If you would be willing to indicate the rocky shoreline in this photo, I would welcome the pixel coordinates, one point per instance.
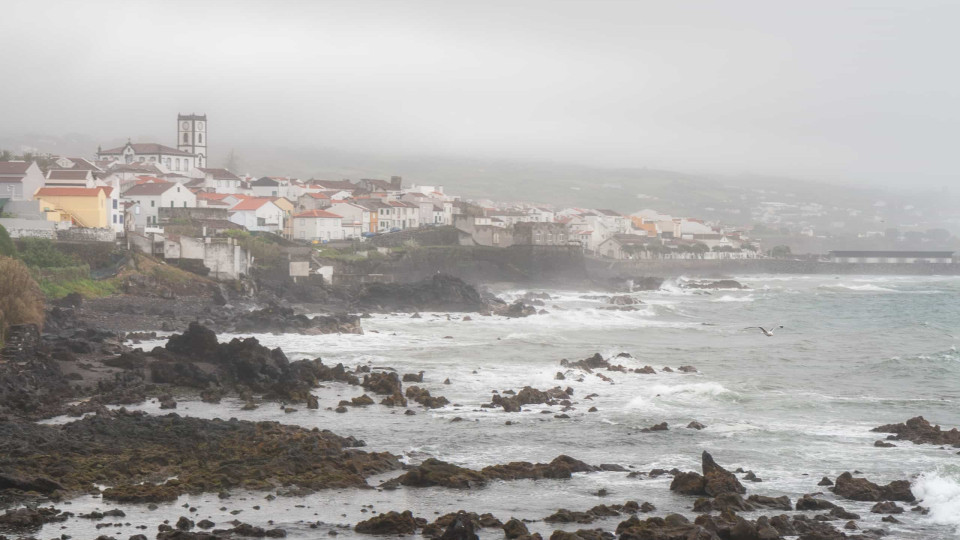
(133, 458)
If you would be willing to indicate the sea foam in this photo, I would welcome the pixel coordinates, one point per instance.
(940, 491)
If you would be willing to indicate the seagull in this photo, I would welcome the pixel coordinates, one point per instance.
(768, 333)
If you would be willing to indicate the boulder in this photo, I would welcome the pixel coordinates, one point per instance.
(718, 480)
(861, 489)
(390, 523)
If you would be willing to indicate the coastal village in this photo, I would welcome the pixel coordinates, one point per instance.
(145, 193)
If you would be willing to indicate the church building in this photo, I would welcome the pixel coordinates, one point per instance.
(190, 153)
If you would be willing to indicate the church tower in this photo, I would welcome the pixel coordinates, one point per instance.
(192, 136)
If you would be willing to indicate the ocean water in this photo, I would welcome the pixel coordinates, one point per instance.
(854, 353)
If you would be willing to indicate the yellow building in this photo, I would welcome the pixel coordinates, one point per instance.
(288, 208)
(84, 207)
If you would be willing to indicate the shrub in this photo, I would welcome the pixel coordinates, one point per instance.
(41, 253)
(21, 301)
(7, 247)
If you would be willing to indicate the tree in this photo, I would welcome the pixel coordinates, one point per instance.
(232, 164)
(7, 247)
(780, 252)
(6, 155)
(21, 301)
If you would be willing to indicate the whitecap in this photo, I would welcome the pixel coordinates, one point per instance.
(940, 492)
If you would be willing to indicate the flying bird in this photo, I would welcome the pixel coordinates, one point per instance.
(768, 333)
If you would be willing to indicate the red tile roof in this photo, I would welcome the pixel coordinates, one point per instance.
(251, 203)
(317, 214)
(212, 196)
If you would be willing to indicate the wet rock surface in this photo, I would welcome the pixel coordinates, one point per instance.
(434, 472)
(440, 292)
(284, 320)
(918, 430)
(124, 449)
(861, 489)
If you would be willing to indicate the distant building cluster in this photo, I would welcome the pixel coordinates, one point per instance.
(144, 188)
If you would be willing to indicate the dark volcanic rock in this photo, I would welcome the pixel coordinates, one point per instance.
(434, 472)
(514, 529)
(920, 431)
(809, 502)
(441, 292)
(861, 489)
(718, 480)
(130, 450)
(462, 528)
(391, 523)
(718, 284)
(283, 320)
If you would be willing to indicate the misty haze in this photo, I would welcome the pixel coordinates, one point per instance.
(531, 270)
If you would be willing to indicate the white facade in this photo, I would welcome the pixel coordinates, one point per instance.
(258, 215)
(354, 214)
(19, 180)
(192, 136)
(153, 196)
(317, 225)
(170, 159)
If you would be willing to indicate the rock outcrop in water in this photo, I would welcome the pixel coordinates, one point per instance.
(530, 396)
(441, 292)
(434, 472)
(918, 430)
(136, 454)
(861, 489)
(390, 523)
(713, 285)
(277, 319)
(714, 482)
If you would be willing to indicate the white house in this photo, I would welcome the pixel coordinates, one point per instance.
(154, 195)
(268, 187)
(318, 225)
(258, 214)
(69, 178)
(19, 180)
(355, 215)
(219, 180)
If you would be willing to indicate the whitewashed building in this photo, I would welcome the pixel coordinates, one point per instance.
(258, 214)
(317, 225)
(154, 195)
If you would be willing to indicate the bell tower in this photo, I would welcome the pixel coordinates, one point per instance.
(192, 136)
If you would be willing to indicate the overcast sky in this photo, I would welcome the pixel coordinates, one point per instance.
(832, 90)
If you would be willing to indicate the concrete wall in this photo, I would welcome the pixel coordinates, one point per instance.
(166, 214)
(602, 268)
(78, 234)
(426, 236)
(29, 228)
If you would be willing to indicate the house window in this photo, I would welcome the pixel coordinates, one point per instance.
(178, 164)
(261, 221)
(153, 204)
(186, 137)
(114, 204)
(167, 162)
(171, 204)
(184, 204)
(496, 238)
